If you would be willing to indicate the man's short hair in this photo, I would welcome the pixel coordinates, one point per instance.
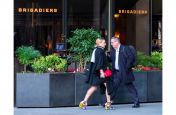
(115, 39)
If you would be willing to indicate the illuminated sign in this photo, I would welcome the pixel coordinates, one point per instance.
(38, 10)
(132, 12)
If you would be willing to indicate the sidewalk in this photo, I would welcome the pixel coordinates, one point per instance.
(120, 109)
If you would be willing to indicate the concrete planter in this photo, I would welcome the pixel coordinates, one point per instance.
(45, 90)
(81, 88)
(68, 89)
(154, 83)
(148, 85)
(123, 96)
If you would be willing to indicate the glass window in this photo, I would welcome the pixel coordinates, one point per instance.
(47, 24)
(35, 23)
(38, 23)
(131, 23)
(88, 14)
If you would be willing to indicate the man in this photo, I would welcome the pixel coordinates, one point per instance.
(122, 62)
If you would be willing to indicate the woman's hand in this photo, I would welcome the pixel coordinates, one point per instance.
(102, 74)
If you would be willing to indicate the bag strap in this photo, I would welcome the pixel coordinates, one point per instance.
(124, 52)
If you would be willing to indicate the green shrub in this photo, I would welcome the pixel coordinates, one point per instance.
(39, 65)
(26, 55)
(50, 63)
(143, 59)
(82, 44)
(154, 61)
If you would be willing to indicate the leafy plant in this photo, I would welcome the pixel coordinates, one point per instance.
(82, 43)
(50, 63)
(143, 59)
(156, 59)
(26, 55)
(145, 62)
(39, 65)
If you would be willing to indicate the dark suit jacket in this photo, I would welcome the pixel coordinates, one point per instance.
(125, 63)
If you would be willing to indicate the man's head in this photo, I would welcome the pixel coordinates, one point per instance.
(115, 42)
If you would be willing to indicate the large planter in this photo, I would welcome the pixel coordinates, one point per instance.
(81, 88)
(147, 83)
(68, 89)
(123, 95)
(154, 83)
(45, 90)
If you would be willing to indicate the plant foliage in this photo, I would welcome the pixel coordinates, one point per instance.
(50, 63)
(82, 44)
(26, 55)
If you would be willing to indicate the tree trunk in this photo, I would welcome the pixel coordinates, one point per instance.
(80, 68)
(25, 68)
(85, 63)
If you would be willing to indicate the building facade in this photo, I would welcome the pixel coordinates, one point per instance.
(47, 24)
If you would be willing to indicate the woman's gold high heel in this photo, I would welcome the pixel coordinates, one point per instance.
(108, 106)
(83, 105)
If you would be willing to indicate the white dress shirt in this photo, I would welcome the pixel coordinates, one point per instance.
(93, 56)
(117, 58)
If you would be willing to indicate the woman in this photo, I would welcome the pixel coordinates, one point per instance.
(96, 75)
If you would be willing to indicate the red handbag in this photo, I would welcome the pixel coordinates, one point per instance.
(107, 73)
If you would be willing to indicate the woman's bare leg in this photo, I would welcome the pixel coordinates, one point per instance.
(90, 91)
(108, 98)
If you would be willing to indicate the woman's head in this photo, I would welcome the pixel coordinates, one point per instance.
(100, 42)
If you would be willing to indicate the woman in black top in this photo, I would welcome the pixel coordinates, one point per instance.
(96, 73)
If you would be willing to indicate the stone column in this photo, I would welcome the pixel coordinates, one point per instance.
(96, 14)
(143, 27)
(64, 21)
(109, 22)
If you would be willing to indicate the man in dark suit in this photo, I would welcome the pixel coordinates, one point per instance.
(122, 69)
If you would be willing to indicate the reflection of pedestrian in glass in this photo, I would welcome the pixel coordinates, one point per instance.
(96, 73)
(49, 44)
(122, 60)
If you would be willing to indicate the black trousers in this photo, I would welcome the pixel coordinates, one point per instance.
(117, 80)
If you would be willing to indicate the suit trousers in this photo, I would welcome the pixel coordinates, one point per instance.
(117, 80)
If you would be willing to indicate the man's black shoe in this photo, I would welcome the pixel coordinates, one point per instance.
(136, 105)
